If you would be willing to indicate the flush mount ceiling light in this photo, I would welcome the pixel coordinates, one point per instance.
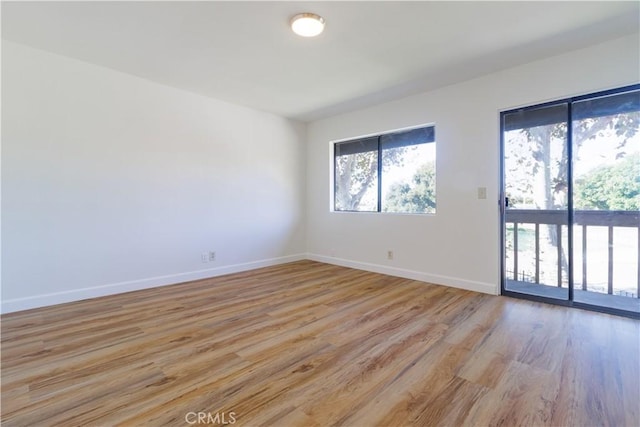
(307, 24)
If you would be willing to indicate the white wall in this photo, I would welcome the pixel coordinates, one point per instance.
(459, 246)
(112, 183)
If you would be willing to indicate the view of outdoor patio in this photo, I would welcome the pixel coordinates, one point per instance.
(603, 163)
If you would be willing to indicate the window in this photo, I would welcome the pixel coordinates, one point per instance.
(392, 172)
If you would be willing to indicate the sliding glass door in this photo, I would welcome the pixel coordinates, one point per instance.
(536, 203)
(571, 201)
(606, 199)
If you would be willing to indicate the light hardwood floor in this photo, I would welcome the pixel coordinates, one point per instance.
(310, 344)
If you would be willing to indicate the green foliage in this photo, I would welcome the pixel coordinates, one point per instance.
(533, 154)
(611, 187)
(357, 174)
(417, 197)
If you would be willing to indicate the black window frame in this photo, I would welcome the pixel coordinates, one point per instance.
(406, 137)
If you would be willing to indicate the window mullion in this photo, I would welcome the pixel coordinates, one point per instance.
(379, 175)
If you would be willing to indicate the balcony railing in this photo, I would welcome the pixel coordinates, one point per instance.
(583, 219)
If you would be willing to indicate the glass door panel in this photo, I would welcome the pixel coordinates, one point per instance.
(606, 201)
(536, 215)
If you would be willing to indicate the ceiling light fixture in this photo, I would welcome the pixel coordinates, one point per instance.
(307, 24)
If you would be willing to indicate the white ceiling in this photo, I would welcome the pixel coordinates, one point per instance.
(245, 53)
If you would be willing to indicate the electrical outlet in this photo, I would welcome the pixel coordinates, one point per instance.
(204, 257)
(212, 256)
(389, 254)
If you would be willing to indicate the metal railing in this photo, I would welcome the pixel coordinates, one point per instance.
(584, 219)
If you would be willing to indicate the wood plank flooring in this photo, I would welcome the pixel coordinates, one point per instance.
(311, 344)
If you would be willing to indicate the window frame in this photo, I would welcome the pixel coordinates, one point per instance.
(430, 130)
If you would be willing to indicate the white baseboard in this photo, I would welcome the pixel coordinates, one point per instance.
(19, 304)
(455, 282)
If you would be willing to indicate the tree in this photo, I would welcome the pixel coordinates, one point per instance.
(417, 197)
(537, 163)
(611, 187)
(357, 173)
